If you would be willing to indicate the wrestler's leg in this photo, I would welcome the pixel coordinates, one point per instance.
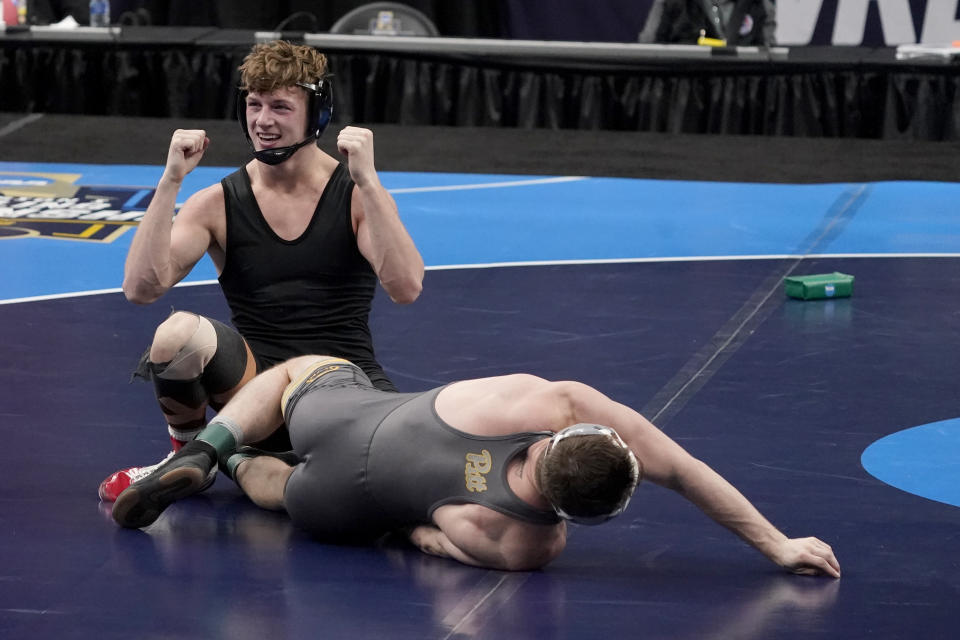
(263, 479)
(252, 415)
(195, 361)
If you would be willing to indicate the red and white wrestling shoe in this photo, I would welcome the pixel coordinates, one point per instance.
(115, 484)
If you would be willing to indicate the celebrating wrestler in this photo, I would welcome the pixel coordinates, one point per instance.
(484, 471)
(299, 239)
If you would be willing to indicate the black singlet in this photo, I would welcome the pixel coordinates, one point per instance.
(295, 297)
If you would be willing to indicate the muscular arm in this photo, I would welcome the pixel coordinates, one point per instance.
(163, 250)
(381, 236)
(480, 537)
(666, 463)
(431, 540)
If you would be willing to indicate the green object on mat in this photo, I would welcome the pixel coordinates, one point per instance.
(820, 286)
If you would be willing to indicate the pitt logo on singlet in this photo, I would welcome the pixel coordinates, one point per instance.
(478, 465)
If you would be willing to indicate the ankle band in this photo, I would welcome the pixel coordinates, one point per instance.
(232, 462)
(223, 434)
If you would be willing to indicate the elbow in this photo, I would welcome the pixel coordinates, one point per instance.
(407, 291)
(139, 294)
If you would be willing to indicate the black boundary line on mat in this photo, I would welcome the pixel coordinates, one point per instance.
(691, 377)
(20, 123)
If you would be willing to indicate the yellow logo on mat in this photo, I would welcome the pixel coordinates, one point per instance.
(51, 205)
(478, 465)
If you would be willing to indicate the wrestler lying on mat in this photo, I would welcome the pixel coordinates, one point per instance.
(484, 471)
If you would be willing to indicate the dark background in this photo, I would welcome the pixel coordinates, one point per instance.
(578, 20)
(178, 59)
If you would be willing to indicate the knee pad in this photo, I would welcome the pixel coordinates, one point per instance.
(229, 362)
(194, 354)
(189, 393)
(212, 360)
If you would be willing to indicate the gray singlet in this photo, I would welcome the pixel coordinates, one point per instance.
(374, 461)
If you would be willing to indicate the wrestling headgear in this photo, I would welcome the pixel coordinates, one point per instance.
(319, 112)
(596, 430)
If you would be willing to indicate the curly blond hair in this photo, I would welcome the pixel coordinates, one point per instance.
(274, 65)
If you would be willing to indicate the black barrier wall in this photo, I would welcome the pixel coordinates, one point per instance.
(191, 72)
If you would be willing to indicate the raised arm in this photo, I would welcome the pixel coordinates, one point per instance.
(666, 463)
(381, 236)
(164, 250)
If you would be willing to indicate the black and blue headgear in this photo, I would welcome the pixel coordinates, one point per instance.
(319, 112)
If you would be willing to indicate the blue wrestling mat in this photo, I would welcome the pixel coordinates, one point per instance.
(665, 295)
(71, 224)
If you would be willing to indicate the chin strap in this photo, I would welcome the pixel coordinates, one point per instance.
(276, 156)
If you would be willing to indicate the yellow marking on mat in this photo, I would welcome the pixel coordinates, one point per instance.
(86, 233)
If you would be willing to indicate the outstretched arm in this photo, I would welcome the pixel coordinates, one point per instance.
(666, 463)
(381, 236)
(720, 500)
(163, 252)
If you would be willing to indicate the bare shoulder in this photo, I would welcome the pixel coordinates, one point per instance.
(204, 205)
(507, 386)
(204, 213)
(506, 404)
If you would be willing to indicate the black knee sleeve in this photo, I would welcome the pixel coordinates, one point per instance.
(222, 373)
(190, 393)
(226, 367)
